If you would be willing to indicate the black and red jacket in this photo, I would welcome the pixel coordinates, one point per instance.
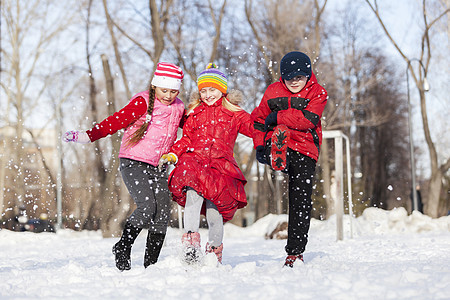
(301, 112)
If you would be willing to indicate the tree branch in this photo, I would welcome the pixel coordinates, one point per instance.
(140, 46)
(377, 14)
(248, 7)
(217, 26)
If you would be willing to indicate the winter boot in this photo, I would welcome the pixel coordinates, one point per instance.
(216, 250)
(153, 247)
(290, 259)
(191, 246)
(122, 249)
(280, 139)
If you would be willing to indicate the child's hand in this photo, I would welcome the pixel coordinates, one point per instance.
(261, 155)
(169, 158)
(75, 136)
(271, 120)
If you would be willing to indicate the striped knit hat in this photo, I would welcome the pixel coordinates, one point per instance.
(212, 77)
(168, 76)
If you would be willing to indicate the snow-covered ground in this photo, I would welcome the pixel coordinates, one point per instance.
(391, 256)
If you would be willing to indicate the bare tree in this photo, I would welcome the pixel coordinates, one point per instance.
(276, 34)
(116, 50)
(353, 67)
(89, 204)
(101, 208)
(418, 75)
(187, 25)
(29, 35)
(217, 21)
(381, 146)
(108, 192)
(158, 18)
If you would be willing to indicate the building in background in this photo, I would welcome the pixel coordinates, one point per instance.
(39, 174)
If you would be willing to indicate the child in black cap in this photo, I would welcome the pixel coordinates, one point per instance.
(288, 135)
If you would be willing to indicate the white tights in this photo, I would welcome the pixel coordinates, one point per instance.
(192, 210)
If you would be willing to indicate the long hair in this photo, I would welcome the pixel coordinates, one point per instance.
(137, 136)
(230, 101)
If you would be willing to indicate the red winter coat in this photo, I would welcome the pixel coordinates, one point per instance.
(205, 158)
(301, 112)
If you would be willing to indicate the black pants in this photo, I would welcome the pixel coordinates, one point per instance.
(149, 189)
(301, 172)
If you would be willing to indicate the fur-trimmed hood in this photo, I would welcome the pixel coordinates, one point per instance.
(234, 96)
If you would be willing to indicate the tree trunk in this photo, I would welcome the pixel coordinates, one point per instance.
(116, 50)
(437, 172)
(217, 26)
(431, 203)
(434, 188)
(107, 194)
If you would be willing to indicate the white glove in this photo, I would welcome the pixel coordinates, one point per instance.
(76, 137)
(169, 158)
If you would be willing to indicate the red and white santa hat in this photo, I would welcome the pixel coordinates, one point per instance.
(168, 76)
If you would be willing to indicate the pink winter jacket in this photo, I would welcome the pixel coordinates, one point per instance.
(161, 133)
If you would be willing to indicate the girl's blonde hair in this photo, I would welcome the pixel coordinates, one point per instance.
(230, 101)
(140, 132)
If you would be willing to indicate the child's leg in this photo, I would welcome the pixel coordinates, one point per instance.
(192, 210)
(149, 190)
(132, 172)
(191, 238)
(153, 248)
(160, 217)
(139, 179)
(215, 224)
(301, 173)
(158, 224)
(122, 249)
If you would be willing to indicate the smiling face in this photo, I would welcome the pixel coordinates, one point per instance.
(210, 95)
(166, 96)
(296, 84)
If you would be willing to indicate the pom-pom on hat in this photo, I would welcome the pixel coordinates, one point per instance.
(212, 77)
(294, 64)
(168, 76)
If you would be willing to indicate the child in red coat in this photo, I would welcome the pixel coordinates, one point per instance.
(207, 178)
(288, 117)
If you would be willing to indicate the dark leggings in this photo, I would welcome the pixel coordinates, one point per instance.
(149, 189)
(301, 173)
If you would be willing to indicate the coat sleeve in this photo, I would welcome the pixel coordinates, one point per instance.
(119, 120)
(245, 124)
(182, 144)
(258, 116)
(307, 118)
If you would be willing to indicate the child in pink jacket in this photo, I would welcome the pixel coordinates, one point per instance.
(151, 120)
